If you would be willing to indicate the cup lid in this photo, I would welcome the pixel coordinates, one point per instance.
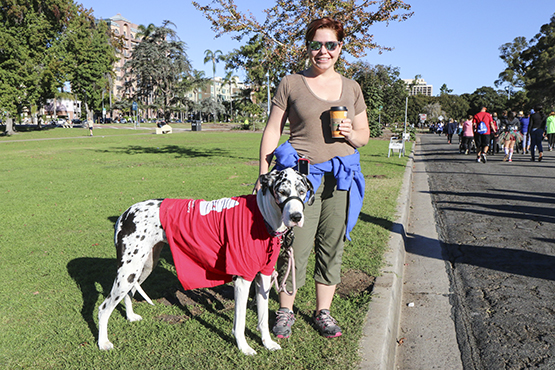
(339, 108)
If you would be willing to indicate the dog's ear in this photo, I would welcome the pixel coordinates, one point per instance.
(267, 180)
(310, 190)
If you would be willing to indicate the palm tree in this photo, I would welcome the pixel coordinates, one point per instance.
(214, 57)
(230, 79)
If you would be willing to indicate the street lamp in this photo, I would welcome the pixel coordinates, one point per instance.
(268, 88)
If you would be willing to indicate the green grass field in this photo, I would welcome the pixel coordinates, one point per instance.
(60, 194)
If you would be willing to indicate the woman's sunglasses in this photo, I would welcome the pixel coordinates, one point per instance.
(317, 45)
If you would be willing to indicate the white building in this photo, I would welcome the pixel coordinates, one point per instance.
(419, 86)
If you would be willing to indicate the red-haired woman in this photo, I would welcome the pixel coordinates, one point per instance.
(305, 99)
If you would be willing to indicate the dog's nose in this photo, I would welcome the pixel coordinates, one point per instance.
(296, 217)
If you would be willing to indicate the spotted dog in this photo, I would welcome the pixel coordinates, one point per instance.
(241, 240)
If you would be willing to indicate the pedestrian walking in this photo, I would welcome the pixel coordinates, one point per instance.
(536, 129)
(550, 129)
(524, 118)
(467, 135)
(90, 123)
(305, 100)
(482, 131)
(510, 136)
(451, 129)
(495, 125)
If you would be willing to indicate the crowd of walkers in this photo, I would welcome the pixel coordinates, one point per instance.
(488, 134)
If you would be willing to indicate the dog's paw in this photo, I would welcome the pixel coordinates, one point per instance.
(247, 350)
(271, 345)
(134, 317)
(105, 346)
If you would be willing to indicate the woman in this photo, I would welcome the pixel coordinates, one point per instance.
(550, 129)
(510, 136)
(305, 99)
(467, 134)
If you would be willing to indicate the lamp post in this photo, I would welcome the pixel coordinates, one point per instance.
(268, 88)
(406, 111)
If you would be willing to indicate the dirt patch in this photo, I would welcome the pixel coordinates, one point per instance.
(354, 282)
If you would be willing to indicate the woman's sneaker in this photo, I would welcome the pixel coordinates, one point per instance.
(326, 324)
(284, 320)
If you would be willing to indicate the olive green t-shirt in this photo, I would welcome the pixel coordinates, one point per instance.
(309, 117)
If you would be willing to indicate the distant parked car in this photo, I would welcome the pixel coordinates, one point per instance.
(76, 121)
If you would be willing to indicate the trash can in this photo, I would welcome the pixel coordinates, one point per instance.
(196, 126)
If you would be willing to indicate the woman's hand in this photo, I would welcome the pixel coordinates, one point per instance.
(346, 128)
(356, 132)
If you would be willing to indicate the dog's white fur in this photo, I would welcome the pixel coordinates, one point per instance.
(139, 238)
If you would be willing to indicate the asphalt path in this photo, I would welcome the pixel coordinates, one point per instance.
(496, 225)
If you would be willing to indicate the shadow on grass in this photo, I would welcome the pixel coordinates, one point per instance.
(162, 286)
(176, 150)
(90, 272)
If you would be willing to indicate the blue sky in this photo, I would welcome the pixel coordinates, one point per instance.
(446, 41)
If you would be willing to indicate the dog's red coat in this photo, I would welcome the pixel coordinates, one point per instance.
(213, 241)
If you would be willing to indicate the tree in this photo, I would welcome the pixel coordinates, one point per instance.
(454, 106)
(91, 55)
(531, 65)
(214, 57)
(281, 34)
(384, 93)
(444, 90)
(230, 79)
(539, 59)
(486, 97)
(513, 75)
(41, 50)
(157, 65)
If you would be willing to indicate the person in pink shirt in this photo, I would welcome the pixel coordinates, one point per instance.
(467, 135)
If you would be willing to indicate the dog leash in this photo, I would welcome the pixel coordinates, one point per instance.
(287, 242)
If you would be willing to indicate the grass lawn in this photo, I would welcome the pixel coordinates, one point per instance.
(60, 195)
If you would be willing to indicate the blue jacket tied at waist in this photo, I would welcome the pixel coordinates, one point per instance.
(346, 171)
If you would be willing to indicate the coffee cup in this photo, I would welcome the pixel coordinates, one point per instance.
(337, 114)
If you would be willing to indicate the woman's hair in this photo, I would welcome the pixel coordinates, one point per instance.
(512, 115)
(327, 23)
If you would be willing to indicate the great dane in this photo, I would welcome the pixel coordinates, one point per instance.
(142, 231)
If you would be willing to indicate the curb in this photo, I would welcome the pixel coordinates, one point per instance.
(379, 336)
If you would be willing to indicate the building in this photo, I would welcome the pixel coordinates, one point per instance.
(65, 108)
(128, 31)
(420, 87)
(224, 92)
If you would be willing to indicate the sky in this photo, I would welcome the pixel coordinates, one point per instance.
(452, 42)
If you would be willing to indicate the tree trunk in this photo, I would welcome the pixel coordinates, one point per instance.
(9, 131)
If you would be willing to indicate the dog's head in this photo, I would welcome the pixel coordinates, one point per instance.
(289, 189)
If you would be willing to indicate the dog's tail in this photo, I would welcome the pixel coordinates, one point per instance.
(142, 293)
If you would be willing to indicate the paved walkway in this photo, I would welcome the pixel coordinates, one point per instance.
(477, 291)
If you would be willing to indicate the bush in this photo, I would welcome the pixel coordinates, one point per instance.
(375, 129)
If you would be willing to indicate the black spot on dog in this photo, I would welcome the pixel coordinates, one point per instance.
(103, 307)
(128, 261)
(117, 298)
(131, 278)
(135, 251)
(127, 227)
(143, 237)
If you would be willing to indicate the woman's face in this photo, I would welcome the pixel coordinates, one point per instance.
(324, 59)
